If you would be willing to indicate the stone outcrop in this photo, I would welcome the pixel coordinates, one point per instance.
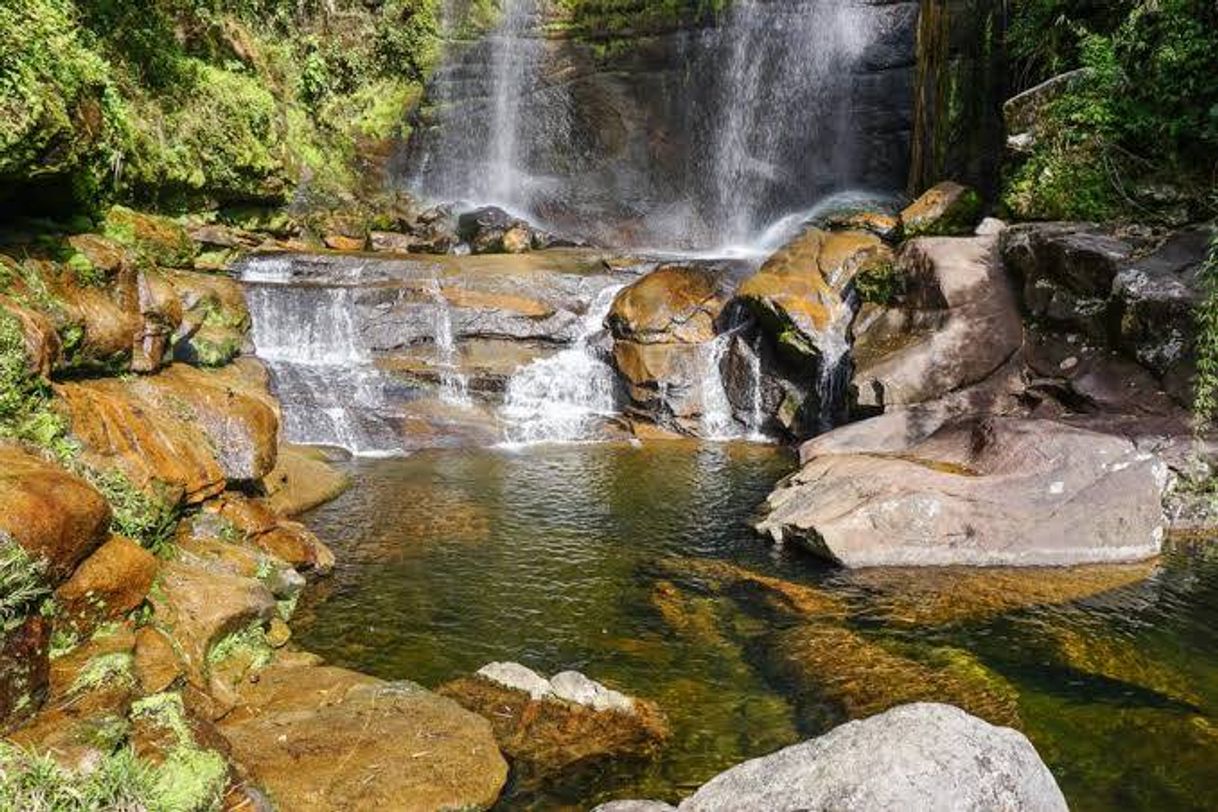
(546, 726)
(920, 756)
(325, 738)
(301, 480)
(956, 324)
(994, 491)
(947, 209)
(662, 327)
(107, 585)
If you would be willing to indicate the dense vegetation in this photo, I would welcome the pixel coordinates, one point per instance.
(192, 103)
(1136, 135)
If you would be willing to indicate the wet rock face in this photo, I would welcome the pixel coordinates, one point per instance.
(921, 756)
(947, 209)
(996, 491)
(492, 230)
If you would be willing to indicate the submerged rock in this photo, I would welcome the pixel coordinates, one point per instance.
(922, 756)
(994, 491)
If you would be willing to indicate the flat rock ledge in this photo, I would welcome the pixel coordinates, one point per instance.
(922, 756)
(980, 491)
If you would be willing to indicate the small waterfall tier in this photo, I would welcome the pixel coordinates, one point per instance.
(306, 332)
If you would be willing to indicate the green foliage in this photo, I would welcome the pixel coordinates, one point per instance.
(25, 398)
(107, 669)
(880, 283)
(189, 779)
(1205, 394)
(22, 584)
(1145, 113)
(250, 643)
(34, 783)
(612, 18)
(147, 518)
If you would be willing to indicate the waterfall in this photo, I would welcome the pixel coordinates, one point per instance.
(562, 398)
(717, 422)
(738, 125)
(454, 388)
(757, 397)
(331, 394)
(782, 113)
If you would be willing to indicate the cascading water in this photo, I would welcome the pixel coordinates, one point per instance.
(756, 395)
(563, 397)
(454, 388)
(717, 422)
(329, 389)
(781, 117)
(753, 118)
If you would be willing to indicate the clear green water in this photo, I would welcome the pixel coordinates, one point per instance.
(596, 558)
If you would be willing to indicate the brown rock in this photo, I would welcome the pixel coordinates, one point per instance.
(797, 293)
(947, 209)
(42, 344)
(286, 540)
(486, 300)
(198, 608)
(672, 304)
(107, 585)
(55, 516)
(105, 255)
(300, 480)
(392, 242)
(340, 242)
(24, 671)
(545, 737)
(324, 738)
(157, 664)
(958, 325)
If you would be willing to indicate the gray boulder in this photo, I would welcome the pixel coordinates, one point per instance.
(980, 492)
(922, 756)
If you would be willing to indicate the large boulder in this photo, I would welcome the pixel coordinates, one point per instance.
(492, 230)
(662, 327)
(799, 293)
(993, 491)
(190, 430)
(325, 738)
(955, 326)
(107, 585)
(922, 756)
(57, 518)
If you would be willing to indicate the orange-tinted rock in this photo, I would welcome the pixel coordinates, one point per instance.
(192, 430)
(41, 340)
(946, 209)
(105, 255)
(326, 738)
(55, 516)
(672, 304)
(24, 671)
(288, 541)
(340, 242)
(107, 585)
(548, 736)
(486, 300)
(161, 315)
(157, 664)
(797, 293)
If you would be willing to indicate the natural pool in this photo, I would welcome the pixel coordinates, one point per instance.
(636, 565)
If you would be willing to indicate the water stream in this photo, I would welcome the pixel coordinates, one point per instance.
(564, 397)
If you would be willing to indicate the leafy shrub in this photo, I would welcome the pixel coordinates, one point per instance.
(22, 584)
(1205, 394)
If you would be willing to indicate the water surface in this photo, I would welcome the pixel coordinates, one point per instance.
(636, 565)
